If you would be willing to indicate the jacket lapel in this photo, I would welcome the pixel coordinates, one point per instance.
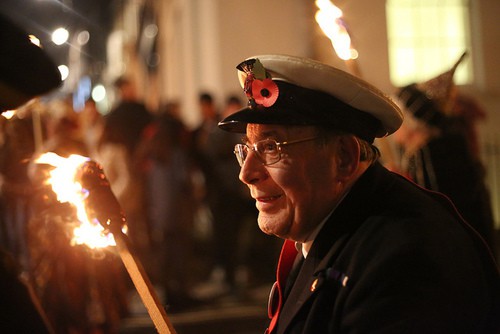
(306, 284)
(329, 243)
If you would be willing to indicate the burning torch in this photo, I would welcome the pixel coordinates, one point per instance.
(329, 18)
(82, 182)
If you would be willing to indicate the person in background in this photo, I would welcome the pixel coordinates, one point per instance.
(198, 145)
(204, 187)
(129, 117)
(63, 130)
(209, 119)
(170, 206)
(366, 250)
(117, 151)
(92, 123)
(439, 147)
(230, 206)
(26, 71)
(18, 146)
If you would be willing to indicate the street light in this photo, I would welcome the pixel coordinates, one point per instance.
(64, 71)
(60, 36)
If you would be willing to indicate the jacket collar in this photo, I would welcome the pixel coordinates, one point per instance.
(341, 224)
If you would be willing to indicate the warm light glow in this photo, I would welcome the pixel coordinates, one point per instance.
(329, 18)
(35, 40)
(98, 93)
(67, 189)
(60, 36)
(151, 31)
(64, 70)
(83, 37)
(8, 114)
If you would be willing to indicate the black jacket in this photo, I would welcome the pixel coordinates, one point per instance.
(394, 258)
(18, 312)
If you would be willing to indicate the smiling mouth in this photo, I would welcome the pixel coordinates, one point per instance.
(268, 198)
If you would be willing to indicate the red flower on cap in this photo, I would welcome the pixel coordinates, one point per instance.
(265, 92)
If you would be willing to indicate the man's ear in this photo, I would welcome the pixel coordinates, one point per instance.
(348, 155)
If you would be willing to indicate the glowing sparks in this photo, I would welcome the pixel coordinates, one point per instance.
(68, 189)
(329, 18)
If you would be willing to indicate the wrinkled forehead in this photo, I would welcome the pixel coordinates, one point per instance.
(256, 132)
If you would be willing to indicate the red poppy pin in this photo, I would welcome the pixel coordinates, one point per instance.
(259, 87)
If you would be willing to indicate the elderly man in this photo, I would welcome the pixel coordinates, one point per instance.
(365, 249)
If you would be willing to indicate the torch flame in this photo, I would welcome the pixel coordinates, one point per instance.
(68, 189)
(8, 114)
(329, 18)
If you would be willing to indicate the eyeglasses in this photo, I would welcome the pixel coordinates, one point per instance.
(268, 150)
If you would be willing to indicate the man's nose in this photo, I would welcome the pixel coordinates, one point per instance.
(253, 170)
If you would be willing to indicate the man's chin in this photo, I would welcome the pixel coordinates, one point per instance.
(273, 227)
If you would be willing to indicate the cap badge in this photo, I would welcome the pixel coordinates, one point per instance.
(259, 88)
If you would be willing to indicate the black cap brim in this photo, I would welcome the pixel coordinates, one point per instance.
(26, 70)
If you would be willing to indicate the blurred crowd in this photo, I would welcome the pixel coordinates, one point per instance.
(189, 218)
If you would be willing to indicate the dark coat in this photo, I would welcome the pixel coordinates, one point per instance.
(18, 311)
(394, 258)
(446, 160)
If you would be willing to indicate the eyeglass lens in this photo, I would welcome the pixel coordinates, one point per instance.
(241, 152)
(267, 151)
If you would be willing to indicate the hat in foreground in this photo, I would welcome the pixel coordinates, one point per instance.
(25, 69)
(288, 90)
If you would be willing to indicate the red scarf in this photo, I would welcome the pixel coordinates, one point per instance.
(285, 264)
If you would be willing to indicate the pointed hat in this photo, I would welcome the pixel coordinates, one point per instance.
(439, 89)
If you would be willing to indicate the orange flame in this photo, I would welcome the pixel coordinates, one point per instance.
(68, 189)
(329, 18)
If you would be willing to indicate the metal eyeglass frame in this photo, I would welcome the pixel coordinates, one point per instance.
(241, 150)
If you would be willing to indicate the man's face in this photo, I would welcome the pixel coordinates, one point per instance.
(296, 193)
